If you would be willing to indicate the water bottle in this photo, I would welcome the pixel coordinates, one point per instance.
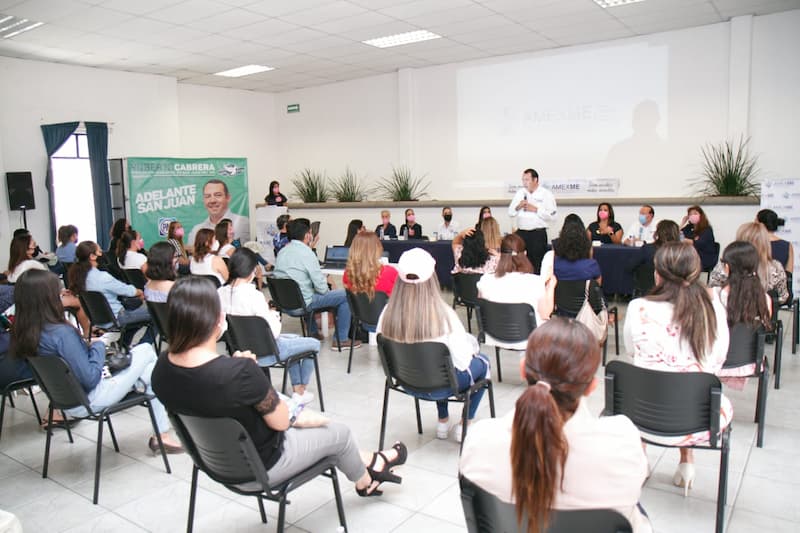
(403, 234)
(380, 233)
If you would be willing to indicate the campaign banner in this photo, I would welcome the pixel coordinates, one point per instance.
(783, 197)
(197, 192)
(576, 186)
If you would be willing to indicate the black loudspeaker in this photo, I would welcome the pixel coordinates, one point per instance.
(20, 191)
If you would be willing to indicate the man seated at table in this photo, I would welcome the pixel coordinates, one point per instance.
(644, 229)
(449, 228)
(296, 261)
(386, 229)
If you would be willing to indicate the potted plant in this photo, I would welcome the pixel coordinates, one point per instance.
(310, 186)
(348, 188)
(401, 185)
(729, 169)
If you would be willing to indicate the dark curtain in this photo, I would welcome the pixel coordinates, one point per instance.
(97, 137)
(55, 135)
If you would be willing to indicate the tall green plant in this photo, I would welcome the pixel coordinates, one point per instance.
(401, 185)
(729, 169)
(310, 186)
(348, 188)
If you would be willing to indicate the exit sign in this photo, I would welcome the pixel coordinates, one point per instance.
(293, 108)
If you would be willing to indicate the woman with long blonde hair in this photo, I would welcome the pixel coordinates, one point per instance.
(491, 234)
(364, 271)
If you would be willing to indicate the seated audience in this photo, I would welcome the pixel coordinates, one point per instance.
(644, 229)
(121, 225)
(40, 330)
(666, 231)
(205, 261)
(161, 269)
(551, 452)
(386, 229)
(484, 213)
(679, 327)
(175, 233)
(281, 238)
(572, 260)
(782, 250)
(696, 228)
(471, 254)
(364, 271)
(449, 227)
(21, 257)
(491, 234)
(128, 246)
(355, 227)
(11, 368)
(605, 229)
(416, 312)
(193, 379)
(223, 232)
(411, 229)
(298, 262)
(275, 196)
(68, 240)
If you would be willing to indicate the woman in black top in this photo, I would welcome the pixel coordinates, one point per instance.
(605, 229)
(193, 379)
(782, 251)
(411, 229)
(696, 227)
(275, 197)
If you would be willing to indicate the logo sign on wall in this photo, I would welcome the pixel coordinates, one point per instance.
(783, 197)
(575, 186)
(192, 191)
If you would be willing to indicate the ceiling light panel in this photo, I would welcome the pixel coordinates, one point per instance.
(246, 70)
(605, 4)
(11, 26)
(400, 39)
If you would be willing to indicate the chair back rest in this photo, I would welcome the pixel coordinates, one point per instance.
(486, 513)
(214, 279)
(465, 288)
(746, 346)
(97, 308)
(286, 293)
(419, 366)
(569, 297)
(505, 322)
(664, 403)
(365, 310)
(135, 277)
(221, 448)
(59, 383)
(251, 333)
(158, 312)
(643, 278)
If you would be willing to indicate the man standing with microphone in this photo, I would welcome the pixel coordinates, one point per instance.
(534, 207)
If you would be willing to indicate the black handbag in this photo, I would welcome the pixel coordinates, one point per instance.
(130, 302)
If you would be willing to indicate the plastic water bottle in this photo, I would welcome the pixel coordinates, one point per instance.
(380, 233)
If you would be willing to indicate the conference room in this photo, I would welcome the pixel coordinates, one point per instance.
(397, 113)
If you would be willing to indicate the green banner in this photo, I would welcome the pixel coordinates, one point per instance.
(197, 192)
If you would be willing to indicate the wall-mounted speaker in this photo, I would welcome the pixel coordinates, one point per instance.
(20, 191)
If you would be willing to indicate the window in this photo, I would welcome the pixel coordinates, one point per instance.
(72, 187)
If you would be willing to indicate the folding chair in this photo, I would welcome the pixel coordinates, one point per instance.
(365, 312)
(287, 297)
(747, 347)
(465, 292)
(505, 324)
(569, 297)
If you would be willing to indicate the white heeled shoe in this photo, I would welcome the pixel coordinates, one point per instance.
(684, 477)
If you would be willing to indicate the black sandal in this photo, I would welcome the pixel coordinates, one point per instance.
(385, 475)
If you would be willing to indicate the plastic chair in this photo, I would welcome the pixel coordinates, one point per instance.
(224, 451)
(286, 295)
(708, 269)
(99, 312)
(158, 313)
(775, 335)
(465, 292)
(569, 297)
(506, 324)
(135, 277)
(65, 392)
(214, 279)
(747, 347)
(12, 387)
(253, 333)
(793, 306)
(643, 279)
(671, 404)
(424, 367)
(486, 513)
(365, 312)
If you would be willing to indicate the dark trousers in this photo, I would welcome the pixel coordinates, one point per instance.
(535, 245)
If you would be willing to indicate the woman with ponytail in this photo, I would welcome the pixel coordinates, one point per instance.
(560, 456)
(679, 327)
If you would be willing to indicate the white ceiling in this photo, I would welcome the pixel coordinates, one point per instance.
(313, 42)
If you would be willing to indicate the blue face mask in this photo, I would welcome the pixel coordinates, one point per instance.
(642, 219)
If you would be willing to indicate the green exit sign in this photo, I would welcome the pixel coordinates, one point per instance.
(293, 108)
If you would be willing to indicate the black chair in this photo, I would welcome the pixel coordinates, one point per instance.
(747, 347)
(8, 390)
(224, 451)
(505, 323)
(65, 392)
(643, 279)
(423, 367)
(569, 297)
(486, 513)
(135, 277)
(253, 333)
(465, 292)
(214, 279)
(708, 269)
(99, 312)
(793, 306)
(775, 336)
(671, 404)
(158, 314)
(365, 312)
(287, 297)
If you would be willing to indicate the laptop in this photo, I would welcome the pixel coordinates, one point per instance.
(335, 257)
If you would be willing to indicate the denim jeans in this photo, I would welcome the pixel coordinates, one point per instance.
(478, 368)
(288, 345)
(337, 299)
(140, 315)
(111, 390)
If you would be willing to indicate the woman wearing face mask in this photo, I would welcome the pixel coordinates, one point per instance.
(205, 261)
(485, 212)
(386, 229)
(175, 238)
(161, 270)
(127, 252)
(696, 227)
(411, 229)
(275, 197)
(605, 229)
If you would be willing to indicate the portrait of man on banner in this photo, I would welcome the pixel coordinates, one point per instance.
(216, 200)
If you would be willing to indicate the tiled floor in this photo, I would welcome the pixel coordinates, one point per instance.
(137, 495)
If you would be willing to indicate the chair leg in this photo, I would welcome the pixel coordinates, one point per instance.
(11, 400)
(499, 366)
(319, 382)
(2, 412)
(616, 331)
(303, 325)
(723, 483)
(261, 509)
(285, 375)
(113, 436)
(192, 499)
(353, 328)
(47, 442)
(281, 513)
(97, 458)
(69, 431)
(778, 354)
(605, 350)
(158, 438)
(491, 398)
(35, 407)
(464, 419)
(419, 417)
(469, 319)
(338, 495)
(795, 325)
(336, 331)
(761, 405)
(383, 414)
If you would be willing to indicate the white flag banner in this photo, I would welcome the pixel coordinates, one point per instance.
(783, 197)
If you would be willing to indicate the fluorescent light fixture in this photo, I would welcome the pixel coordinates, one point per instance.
(402, 38)
(11, 25)
(243, 71)
(23, 30)
(605, 4)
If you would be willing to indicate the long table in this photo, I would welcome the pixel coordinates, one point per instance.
(615, 262)
(442, 252)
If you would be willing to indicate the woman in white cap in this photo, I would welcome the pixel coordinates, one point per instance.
(416, 294)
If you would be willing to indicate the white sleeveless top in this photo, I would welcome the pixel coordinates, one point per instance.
(205, 268)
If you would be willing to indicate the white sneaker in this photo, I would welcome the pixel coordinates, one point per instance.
(457, 432)
(442, 430)
(303, 399)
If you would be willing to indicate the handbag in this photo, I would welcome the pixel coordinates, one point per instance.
(129, 303)
(596, 322)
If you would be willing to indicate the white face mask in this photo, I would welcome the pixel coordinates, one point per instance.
(215, 246)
